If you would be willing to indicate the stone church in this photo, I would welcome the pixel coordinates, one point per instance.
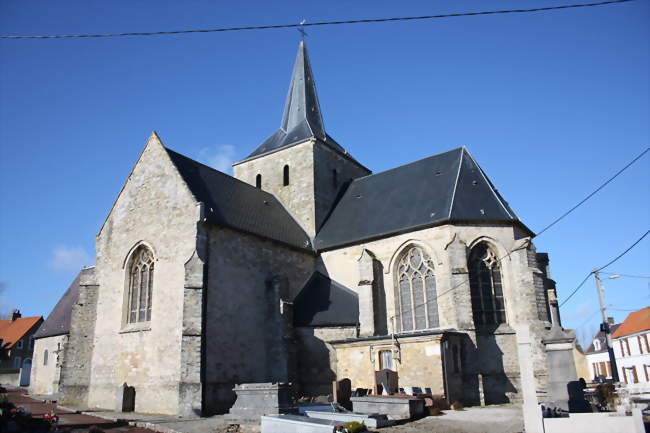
(304, 267)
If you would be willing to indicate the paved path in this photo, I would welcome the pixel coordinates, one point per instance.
(70, 421)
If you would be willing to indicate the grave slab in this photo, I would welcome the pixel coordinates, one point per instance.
(373, 421)
(296, 424)
(405, 407)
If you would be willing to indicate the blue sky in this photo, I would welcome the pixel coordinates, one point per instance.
(550, 104)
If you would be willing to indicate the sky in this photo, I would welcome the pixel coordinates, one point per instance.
(550, 104)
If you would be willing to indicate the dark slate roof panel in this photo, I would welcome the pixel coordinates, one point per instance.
(302, 118)
(238, 205)
(58, 322)
(600, 335)
(449, 187)
(323, 302)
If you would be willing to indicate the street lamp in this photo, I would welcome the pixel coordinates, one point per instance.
(604, 327)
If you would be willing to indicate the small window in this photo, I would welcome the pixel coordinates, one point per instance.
(385, 359)
(18, 361)
(258, 181)
(285, 175)
(19, 344)
(597, 344)
(45, 357)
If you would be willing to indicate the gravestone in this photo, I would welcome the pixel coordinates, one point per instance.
(341, 392)
(577, 401)
(128, 398)
(387, 380)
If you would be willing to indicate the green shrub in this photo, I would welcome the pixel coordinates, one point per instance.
(354, 427)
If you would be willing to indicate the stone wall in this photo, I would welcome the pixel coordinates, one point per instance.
(311, 190)
(316, 358)
(156, 209)
(245, 320)
(449, 247)
(76, 365)
(45, 377)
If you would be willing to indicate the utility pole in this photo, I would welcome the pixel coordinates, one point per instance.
(605, 326)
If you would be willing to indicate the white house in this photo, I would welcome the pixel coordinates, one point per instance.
(597, 355)
(632, 350)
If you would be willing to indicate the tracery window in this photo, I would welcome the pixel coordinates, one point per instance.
(140, 285)
(416, 291)
(486, 287)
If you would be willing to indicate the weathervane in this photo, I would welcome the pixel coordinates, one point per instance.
(302, 31)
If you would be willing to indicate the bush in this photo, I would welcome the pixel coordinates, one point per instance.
(351, 427)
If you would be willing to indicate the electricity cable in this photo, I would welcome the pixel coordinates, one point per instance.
(321, 23)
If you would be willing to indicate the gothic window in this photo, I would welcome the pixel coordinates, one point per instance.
(140, 285)
(285, 175)
(485, 287)
(416, 291)
(258, 181)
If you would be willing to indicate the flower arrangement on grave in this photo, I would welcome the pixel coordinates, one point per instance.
(350, 427)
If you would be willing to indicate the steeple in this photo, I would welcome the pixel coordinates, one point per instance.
(302, 118)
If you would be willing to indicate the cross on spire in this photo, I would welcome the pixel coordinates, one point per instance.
(302, 31)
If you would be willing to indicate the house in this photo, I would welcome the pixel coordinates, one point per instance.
(597, 355)
(302, 268)
(632, 350)
(17, 345)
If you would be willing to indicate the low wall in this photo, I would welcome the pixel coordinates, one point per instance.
(596, 423)
(10, 377)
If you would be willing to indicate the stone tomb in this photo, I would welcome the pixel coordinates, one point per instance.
(396, 407)
(341, 393)
(256, 399)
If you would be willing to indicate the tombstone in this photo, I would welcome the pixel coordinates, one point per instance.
(577, 401)
(128, 398)
(388, 380)
(342, 391)
(360, 392)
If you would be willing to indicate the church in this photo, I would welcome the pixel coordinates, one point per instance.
(302, 268)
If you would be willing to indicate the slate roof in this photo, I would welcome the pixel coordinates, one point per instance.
(324, 302)
(58, 322)
(635, 322)
(302, 118)
(448, 187)
(238, 205)
(12, 331)
(600, 336)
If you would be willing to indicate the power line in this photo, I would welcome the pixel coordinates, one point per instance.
(322, 23)
(626, 275)
(603, 267)
(593, 193)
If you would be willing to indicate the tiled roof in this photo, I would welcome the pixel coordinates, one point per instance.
(12, 331)
(235, 204)
(444, 188)
(323, 302)
(58, 322)
(635, 322)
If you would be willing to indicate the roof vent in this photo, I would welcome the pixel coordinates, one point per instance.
(474, 182)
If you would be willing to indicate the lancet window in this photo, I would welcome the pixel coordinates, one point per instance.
(416, 291)
(285, 175)
(140, 285)
(486, 287)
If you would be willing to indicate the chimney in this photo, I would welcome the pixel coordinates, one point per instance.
(15, 315)
(610, 320)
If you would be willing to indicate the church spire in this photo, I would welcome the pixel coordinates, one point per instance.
(302, 108)
(302, 118)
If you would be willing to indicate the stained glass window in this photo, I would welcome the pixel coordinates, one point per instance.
(486, 287)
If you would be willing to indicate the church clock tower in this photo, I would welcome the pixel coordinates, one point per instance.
(300, 163)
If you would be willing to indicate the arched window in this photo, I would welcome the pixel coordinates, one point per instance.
(416, 291)
(140, 285)
(258, 181)
(485, 287)
(285, 175)
(45, 357)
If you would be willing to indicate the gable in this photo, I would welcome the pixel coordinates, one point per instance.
(12, 331)
(58, 322)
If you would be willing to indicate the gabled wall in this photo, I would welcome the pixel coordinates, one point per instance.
(155, 208)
